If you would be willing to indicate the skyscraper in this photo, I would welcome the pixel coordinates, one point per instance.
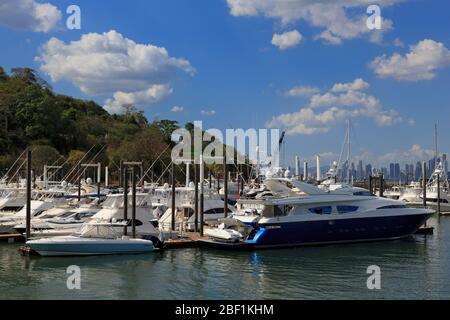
(392, 171)
(397, 171)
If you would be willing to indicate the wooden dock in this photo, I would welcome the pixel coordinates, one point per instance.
(425, 230)
(186, 240)
(11, 238)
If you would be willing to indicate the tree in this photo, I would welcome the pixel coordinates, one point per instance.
(167, 127)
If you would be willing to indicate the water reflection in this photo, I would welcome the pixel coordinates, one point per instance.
(414, 268)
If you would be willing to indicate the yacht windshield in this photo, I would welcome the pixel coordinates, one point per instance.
(96, 231)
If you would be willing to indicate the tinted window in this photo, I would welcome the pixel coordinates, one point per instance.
(363, 193)
(321, 210)
(393, 207)
(346, 209)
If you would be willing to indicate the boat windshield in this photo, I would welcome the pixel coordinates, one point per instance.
(97, 231)
(117, 201)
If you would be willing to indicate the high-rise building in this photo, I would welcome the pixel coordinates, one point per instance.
(368, 170)
(418, 171)
(360, 174)
(397, 171)
(392, 171)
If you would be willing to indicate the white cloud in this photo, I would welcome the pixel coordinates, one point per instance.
(301, 91)
(343, 101)
(338, 20)
(151, 95)
(357, 84)
(29, 15)
(286, 40)
(420, 63)
(177, 109)
(108, 63)
(208, 112)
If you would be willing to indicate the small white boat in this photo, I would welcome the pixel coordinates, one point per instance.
(92, 239)
(226, 231)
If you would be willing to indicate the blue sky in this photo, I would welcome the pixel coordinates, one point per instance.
(244, 78)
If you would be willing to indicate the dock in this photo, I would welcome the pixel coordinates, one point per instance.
(425, 230)
(186, 240)
(11, 238)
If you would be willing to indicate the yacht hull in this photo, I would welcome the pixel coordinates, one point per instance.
(335, 231)
(67, 246)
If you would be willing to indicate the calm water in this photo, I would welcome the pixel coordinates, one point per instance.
(416, 268)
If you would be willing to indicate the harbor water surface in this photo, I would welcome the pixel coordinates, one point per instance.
(414, 268)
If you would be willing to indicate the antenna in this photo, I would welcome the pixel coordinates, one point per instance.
(348, 149)
(436, 142)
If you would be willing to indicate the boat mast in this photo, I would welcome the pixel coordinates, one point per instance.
(348, 150)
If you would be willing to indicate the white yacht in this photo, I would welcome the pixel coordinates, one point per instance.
(321, 217)
(91, 239)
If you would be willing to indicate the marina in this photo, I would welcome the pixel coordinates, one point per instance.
(241, 152)
(415, 268)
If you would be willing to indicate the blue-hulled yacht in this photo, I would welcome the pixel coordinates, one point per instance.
(302, 214)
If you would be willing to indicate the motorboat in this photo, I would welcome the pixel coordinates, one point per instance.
(59, 221)
(92, 239)
(226, 231)
(321, 217)
(414, 196)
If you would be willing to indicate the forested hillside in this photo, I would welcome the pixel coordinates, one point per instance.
(61, 129)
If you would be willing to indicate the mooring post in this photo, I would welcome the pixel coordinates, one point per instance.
(424, 184)
(125, 199)
(133, 201)
(202, 173)
(218, 182)
(225, 187)
(210, 179)
(106, 177)
(28, 213)
(305, 171)
(382, 185)
(121, 173)
(238, 178)
(174, 209)
(439, 194)
(79, 183)
(196, 198)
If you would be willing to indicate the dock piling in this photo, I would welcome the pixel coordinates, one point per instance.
(424, 183)
(28, 211)
(225, 187)
(196, 198)
(174, 209)
(202, 173)
(125, 198)
(133, 202)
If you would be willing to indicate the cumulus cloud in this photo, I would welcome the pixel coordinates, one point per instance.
(108, 63)
(420, 63)
(357, 84)
(208, 112)
(29, 15)
(286, 40)
(151, 95)
(343, 101)
(301, 91)
(177, 109)
(336, 20)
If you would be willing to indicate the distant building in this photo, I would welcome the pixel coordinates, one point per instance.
(397, 172)
(368, 171)
(360, 174)
(392, 171)
(418, 171)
